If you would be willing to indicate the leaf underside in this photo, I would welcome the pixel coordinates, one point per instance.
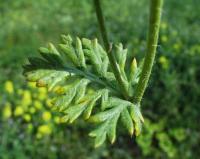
(80, 77)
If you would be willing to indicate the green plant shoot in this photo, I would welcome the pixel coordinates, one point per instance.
(90, 81)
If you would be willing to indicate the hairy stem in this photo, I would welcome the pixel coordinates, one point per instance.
(152, 40)
(107, 45)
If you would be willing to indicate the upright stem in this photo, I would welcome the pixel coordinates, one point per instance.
(152, 40)
(101, 22)
(111, 57)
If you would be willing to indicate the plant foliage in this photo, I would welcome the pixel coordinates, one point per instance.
(83, 84)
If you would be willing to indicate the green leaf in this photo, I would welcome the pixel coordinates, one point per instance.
(109, 119)
(127, 121)
(79, 76)
(137, 118)
(134, 75)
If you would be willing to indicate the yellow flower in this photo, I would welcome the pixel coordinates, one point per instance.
(42, 93)
(46, 116)
(44, 129)
(27, 117)
(18, 111)
(32, 84)
(9, 87)
(57, 120)
(32, 110)
(49, 103)
(38, 104)
(27, 99)
(62, 120)
(164, 62)
(7, 112)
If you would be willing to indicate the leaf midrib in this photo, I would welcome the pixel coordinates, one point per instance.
(93, 78)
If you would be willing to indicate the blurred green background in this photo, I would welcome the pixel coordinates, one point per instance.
(171, 106)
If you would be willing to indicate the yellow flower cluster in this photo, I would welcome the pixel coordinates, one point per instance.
(7, 112)
(43, 130)
(9, 87)
(18, 111)
(26, 99)
(46, 116)
(27, 117)
(31, 106)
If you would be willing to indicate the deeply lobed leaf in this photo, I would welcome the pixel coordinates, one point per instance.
(80, 77)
